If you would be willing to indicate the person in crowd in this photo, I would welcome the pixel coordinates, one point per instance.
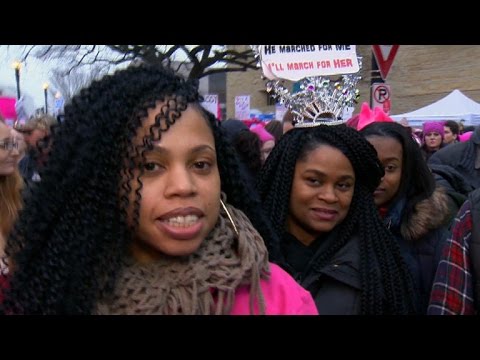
(455, 186)
(266, 139)
(433, 133)
(468, 128)
(413, 208)
(417, 135)
(287, 121)
(317, 186)
(463, 157)
(353, 121)
(404, 122)
(22, 145)
(451, 132)
(411, 131)
(142, 210)
(465, 136)
(456, 289)
(10, 189)
(37, 133)
(451, 176)
(275, 128)
(247, 145)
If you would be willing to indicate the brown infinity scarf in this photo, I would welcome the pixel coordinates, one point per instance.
(200, 284)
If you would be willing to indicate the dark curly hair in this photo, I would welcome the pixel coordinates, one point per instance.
(386, 282)
(68, 245)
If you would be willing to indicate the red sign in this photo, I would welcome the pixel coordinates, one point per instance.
(381, 96)
(384, 54)
(386, 106)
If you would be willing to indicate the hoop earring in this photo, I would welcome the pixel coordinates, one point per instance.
(229, 216)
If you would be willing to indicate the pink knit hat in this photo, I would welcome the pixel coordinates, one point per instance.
(263, 134)
(433, 126)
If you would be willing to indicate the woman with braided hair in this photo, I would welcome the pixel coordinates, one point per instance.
(413, 208)
(317, 187)
(142, 210)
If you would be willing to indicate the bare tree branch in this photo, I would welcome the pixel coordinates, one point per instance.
(196, 61)
(69, 85)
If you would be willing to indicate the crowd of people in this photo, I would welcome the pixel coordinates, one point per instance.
(142, 202)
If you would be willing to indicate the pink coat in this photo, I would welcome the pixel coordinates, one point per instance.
(282, 294)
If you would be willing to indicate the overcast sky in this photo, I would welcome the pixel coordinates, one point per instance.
(33, 74)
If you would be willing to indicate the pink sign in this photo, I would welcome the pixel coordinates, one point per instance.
(7, 107)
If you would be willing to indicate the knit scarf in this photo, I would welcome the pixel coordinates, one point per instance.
(202, 283)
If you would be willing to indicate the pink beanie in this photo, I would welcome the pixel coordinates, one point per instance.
(433, 126)
(263, 134)
(465, 136)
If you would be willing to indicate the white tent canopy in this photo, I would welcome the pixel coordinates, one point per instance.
(455, 106)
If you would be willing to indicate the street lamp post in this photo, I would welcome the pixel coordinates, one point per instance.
(17, 65)
(45, 93)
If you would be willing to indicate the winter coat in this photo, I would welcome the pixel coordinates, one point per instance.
(335, 287)
(427, 154)
(461, 156)
(421, 236)
(455, 186)
(282, 296)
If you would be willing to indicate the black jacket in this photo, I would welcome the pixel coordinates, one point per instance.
(335, 287)
(421, 236)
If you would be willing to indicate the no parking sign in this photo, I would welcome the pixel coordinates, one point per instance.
(381, 96)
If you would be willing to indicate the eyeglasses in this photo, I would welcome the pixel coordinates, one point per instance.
(8, 145)
(26, 132)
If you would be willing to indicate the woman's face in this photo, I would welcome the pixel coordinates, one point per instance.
(181, 188)
(321, 195)
(390, 154)
(8, 151)
(433, 140)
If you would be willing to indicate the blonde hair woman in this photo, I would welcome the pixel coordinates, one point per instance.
(10, 187)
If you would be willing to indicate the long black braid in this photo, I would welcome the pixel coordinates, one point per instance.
(386, 283)
(68, 245)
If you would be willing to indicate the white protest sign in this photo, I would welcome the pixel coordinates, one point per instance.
(22, 115)
(347, 112)
(59, 104)
(295, 62)
(280, 111)
(210, 103)
(242, 107)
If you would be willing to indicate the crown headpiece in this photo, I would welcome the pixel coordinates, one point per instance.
(320, 99)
